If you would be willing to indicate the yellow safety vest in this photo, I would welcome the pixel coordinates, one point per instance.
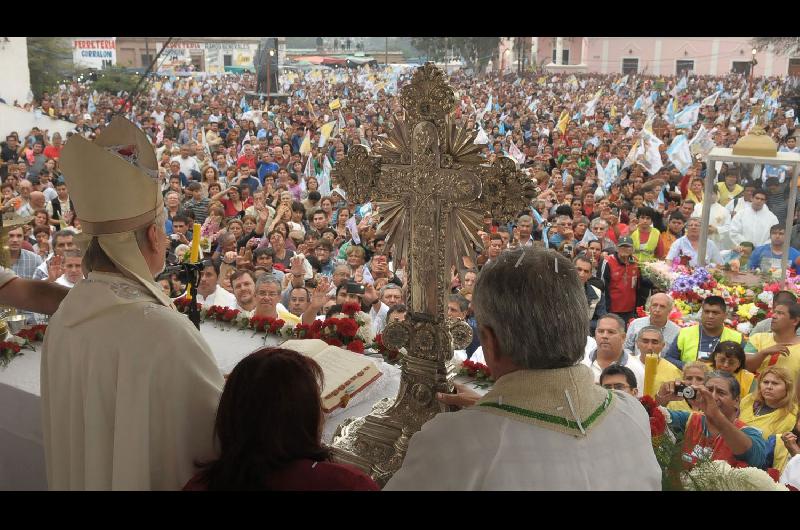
(648, 252)
(689, 341)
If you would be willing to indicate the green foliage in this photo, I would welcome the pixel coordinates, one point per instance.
(475, 50)
(115, 79)
(780, 45)
(50, 62)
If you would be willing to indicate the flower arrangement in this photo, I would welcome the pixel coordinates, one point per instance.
(8, 350)
(34, 333)
(352, 331)
(718, 475)
(477, 370)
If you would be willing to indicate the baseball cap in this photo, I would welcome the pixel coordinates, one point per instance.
(625, 242)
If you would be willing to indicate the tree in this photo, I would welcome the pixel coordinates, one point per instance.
(435, 48)
(780, 45)
(50, 62)
(114, 79)
(477, 50)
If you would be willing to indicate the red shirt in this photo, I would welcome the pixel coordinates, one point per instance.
(307, 475)
(230, 209)
(251, 161)
(52, 151)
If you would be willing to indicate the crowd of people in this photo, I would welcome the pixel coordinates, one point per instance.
(282, 239)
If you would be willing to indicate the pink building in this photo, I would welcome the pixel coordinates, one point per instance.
(650, 55)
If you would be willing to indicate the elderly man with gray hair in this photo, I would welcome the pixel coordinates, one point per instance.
(545, 424)
(659, 306)
(598, 229)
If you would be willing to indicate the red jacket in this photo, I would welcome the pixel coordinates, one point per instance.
(621, 284)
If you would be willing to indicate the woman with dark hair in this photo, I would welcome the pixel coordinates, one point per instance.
(729, 357)
(269, 425)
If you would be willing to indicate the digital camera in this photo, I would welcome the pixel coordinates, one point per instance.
(685, 391)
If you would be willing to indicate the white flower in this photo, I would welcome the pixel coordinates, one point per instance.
(744, 328)
(718, 475)
(766, 297)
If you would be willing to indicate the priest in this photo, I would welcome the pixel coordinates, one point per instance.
(753, 224)
(545, 425)
(129, 387)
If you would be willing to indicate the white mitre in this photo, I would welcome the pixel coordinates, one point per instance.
(113, 183)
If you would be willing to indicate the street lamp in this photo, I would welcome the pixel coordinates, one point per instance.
(269, 77)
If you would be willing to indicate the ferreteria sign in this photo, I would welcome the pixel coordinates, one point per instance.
(94, 52)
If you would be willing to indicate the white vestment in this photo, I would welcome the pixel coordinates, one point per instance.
(129, 390)
(719, 218)
(487, 447)
(753, 226)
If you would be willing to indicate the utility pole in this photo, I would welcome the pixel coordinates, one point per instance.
(147, 48)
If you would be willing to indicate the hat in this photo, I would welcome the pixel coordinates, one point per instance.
(121, 162)
(625, 242)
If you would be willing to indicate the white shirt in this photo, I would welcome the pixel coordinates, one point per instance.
(477, 355)
(219, 297)
(62, 280)
(187, 165)
(629, 361)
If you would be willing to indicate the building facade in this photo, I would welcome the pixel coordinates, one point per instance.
(206, 54)
(650, 55)
(15, 85)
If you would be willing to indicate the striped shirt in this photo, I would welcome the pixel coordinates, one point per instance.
(26, 265)
(198, 208)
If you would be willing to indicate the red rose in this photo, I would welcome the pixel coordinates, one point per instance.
(230, 314)
(657, 424)
(351, 308)
(356, 346)
(333, 341)
(347, 327)
(276, 325)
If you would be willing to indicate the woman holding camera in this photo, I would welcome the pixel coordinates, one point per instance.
(694, 373)
(714, 430)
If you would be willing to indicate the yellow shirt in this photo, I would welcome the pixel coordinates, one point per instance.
(762, 341)
(775, 423)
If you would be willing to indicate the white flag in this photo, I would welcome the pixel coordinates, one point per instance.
(702, 143)
(516, 154)
(482, 137)
(625, 122)
(686, 118)
(353, 227)
(711, 100)
(647, 155)
(679, 154)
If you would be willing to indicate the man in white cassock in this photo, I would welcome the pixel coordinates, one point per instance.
(752, 223)
(545, 424)
(129, 386)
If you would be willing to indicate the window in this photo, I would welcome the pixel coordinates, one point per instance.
(227, 60)
(146, 59)
(564, 56)
(630, 65)
(794, 67)
(684, 66)
(741, 67)
(107, 63)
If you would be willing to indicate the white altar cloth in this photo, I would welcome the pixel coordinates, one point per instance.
(21, 447)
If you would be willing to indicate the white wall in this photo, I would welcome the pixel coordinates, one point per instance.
(15, 81)
(16, 119)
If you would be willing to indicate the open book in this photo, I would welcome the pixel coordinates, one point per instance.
(346, 373)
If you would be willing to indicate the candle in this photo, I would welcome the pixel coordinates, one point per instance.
(650, 368)
(194, 254)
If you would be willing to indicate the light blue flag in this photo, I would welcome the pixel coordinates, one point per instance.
(91, 106)
(682, 84)
(686, 118)
(577, 117)
(679, 154)
(653, 96)
(607, 127)
(638, 104)
(669, 116)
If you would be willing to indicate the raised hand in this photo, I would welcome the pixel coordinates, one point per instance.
(320, 295)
